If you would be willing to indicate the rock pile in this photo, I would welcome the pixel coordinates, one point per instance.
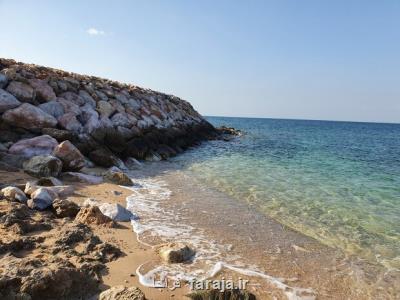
(89, 116)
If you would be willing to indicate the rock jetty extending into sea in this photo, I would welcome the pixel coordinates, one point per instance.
(103, 120)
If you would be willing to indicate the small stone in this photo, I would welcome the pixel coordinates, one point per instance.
(41, 199)
(13, 193)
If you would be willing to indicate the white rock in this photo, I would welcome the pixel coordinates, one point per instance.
(14, 193)
(42, 198)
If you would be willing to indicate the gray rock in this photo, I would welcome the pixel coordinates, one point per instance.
(122, 293)
(29, 117)
(41, 199)
(87, 98)
(14, 194)
(116, 212)
(69, 107)
(40, 145)
(133, 163)
(7, 101)
(53, 108)
(3, 80)
(74, 98)
(120, 119)
(22, 91)
(70, 122)
(105, 109)
(43, 166)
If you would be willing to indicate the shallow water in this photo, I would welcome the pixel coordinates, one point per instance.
(338, 182)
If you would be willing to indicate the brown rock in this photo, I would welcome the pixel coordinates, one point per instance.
(122, 293)
(69, 122)
(116, 176)
(176, 253)
(29, 117)
(71, 157)
(44, 92)
(65, 208)
(22, 91)
(93, 216)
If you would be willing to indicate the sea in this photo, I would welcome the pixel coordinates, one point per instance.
(335, 183)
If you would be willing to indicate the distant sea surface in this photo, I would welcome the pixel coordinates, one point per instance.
(338, 182)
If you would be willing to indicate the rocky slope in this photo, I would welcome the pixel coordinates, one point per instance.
(106, 120)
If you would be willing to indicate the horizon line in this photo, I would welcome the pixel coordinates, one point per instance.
(299, 119)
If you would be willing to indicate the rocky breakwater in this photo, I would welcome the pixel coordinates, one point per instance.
(105, 120)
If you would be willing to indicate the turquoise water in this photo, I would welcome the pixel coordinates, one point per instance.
(338, 182)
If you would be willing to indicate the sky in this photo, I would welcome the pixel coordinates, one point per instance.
(325, 60)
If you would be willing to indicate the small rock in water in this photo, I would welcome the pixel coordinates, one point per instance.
(116, 176)
(176, 253)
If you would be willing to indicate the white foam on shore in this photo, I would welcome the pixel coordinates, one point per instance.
(165, 225)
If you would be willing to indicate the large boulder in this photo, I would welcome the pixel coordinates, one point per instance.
(24, 92)
(14, 194)
(71, 157)
(7, 101)
(41, 199)
(29, 117)
(122, 293)
(104, 158)
(44, 92)
(43, 166)
(114, 175)
(40, 145)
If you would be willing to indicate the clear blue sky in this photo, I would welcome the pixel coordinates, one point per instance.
(335, 60)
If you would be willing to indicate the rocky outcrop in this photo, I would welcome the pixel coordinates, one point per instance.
(106, 120)
(62, 260)
(122, 293)
(92, 215)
